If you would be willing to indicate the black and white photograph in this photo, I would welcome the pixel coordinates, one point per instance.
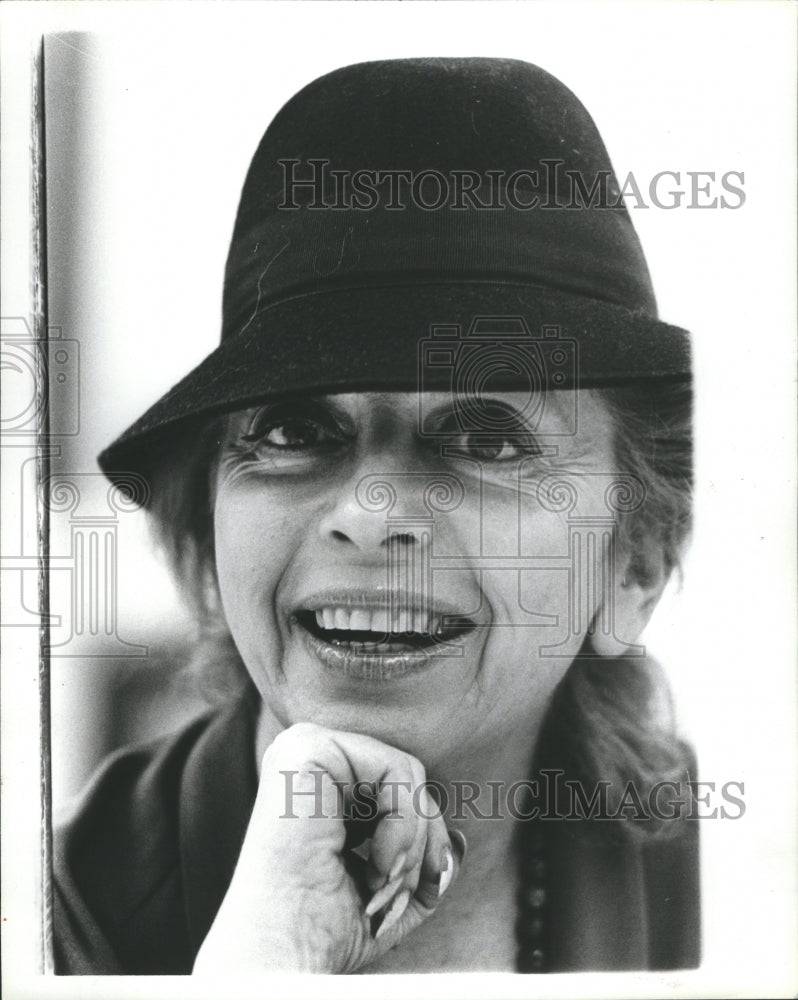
(399, 463)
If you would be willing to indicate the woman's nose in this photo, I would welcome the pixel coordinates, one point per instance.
(376, 512)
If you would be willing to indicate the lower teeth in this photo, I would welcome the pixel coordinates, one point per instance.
(394, 643)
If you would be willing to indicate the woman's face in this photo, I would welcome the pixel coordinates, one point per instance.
(424, 588)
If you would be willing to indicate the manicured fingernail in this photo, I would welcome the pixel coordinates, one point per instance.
(394, 912)
(382, 896)
(459, 842)
(447, 870)
(398, 865)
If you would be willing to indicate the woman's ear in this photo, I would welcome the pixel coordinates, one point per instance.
(627, 608)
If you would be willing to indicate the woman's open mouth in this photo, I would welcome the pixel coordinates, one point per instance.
(375, 640)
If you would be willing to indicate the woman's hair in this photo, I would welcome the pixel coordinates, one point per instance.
(608, 720)
(611, 721)
(653, 425)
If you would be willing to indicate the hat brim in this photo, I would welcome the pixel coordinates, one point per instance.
(379, 338)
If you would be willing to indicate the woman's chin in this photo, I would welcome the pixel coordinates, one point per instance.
(413, 700)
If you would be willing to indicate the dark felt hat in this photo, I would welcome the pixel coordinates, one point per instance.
(393, 206)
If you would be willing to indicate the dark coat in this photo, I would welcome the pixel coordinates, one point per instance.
(142, 866)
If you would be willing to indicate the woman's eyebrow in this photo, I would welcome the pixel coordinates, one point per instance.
(330, 402)
(320, 402)
(453, 408)
(540, 419)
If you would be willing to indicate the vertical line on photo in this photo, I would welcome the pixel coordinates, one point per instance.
(93, 588)
(407, 588)
(608, 582)
(40, 330)
(425, 556)
(411, 585)
(576, 582)
(110, 584)
(78, 604)
(592, 579)
(393, 583)
(481, 510)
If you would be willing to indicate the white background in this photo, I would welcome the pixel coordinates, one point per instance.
(186, 92)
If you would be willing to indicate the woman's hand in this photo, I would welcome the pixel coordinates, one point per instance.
(301, 899)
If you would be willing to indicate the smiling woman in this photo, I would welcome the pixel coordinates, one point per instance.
(424, 499)
(293, 542)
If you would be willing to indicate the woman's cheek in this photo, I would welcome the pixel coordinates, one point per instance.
(253, 547)
(535, 638)
(252, 529)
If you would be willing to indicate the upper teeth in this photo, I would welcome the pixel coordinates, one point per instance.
(381, 620)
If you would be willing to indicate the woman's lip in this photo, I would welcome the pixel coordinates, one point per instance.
(371, 666)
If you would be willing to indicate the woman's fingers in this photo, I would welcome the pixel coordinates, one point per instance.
(322, 795)
(397, 843)
(310, 774)
(419, 879)
(441, 856)
(440, 868)
(345, 853)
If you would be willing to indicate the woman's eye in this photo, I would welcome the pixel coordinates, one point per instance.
(291, 432)
(497, 434)
(488, 448)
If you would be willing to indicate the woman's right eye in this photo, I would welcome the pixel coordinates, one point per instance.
(292, 430)
(290, 433)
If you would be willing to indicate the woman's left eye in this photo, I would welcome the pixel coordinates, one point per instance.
(501, 448)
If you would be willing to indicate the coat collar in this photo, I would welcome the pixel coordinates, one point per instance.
(217, 795)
